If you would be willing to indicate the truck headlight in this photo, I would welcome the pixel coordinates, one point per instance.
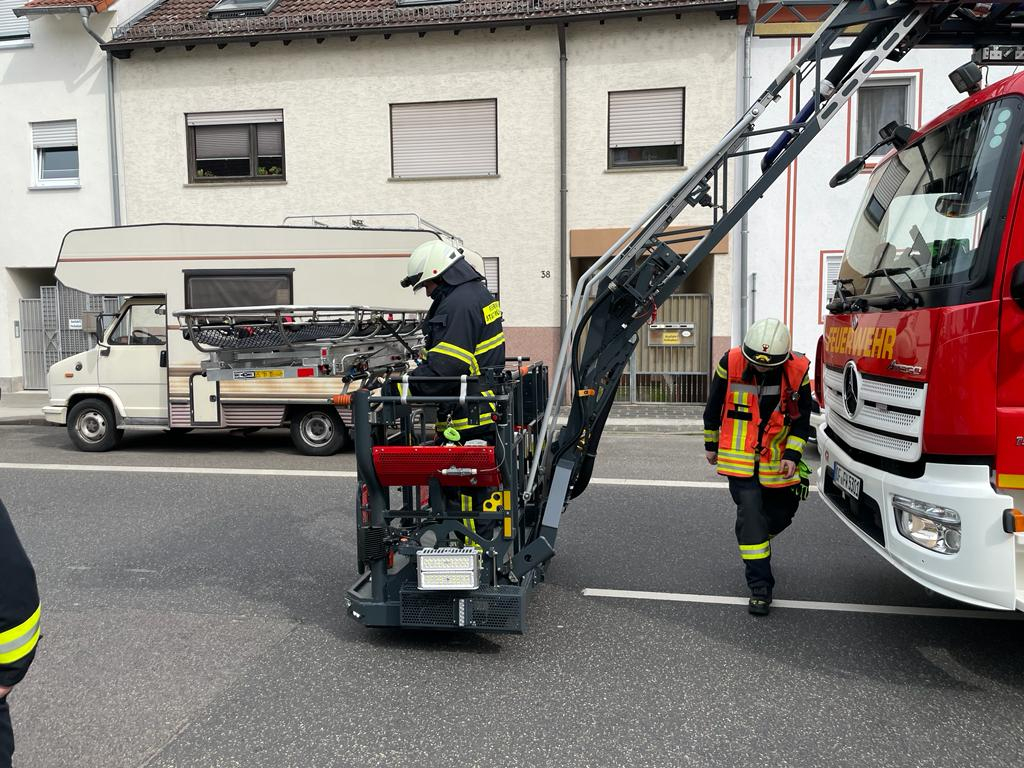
(930, 526)
(448, 568)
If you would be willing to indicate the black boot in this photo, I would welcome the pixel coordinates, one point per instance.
(758, 606)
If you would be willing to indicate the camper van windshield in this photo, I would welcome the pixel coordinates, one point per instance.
(927, 211)
(204, 290)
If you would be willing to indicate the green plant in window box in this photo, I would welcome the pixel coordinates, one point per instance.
(273, 170)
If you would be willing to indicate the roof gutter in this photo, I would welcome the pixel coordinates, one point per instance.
(53, 10)
(124, 46)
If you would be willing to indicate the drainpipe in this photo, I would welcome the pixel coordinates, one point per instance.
(563, 232)
(739, 271)
(115, 185)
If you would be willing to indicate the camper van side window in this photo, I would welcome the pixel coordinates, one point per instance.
(207, 289)
(141, 324)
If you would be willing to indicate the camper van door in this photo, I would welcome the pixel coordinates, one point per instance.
(134, 363)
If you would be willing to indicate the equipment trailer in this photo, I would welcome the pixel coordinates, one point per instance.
(612, 301)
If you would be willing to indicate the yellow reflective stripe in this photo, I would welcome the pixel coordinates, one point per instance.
(492, 312)
(806, 381)
(490, 393)
(795, 444)
(18, 642)
(710, 435)
(444, 348)
(756, 551)
(488, 344)
(721, 373)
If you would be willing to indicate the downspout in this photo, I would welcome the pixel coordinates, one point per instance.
(115, 183)
(563, 232)
(740, 268)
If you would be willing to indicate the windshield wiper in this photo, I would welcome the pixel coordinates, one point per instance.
(904, 300)
(843, 300)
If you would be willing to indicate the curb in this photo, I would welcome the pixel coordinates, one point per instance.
(23, 421)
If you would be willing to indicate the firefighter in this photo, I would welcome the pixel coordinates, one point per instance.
(463, 335)
(756, 423)
(19, 624)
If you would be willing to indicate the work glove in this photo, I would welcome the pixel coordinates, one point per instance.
(803, 488)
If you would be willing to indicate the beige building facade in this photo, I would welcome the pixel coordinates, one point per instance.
(335, 97)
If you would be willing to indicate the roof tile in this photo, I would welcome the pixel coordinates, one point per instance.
(183, 20)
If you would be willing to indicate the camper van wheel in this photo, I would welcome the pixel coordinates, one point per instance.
(318, 431)
(92, 427)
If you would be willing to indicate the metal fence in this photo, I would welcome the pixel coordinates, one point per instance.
(675, 369)
(53, 328)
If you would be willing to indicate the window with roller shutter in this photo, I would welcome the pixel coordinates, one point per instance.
(444, 139)
(55, 153)
(645, 128)
(831, 261)
(12, 28)
(236, 146)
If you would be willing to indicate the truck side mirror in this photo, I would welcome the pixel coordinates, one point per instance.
(847, 172)
(1017, 284)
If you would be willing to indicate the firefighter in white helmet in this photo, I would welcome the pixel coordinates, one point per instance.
(756, 423)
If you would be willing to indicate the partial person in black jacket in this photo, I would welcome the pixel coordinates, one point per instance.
(19, 624)
(463, 334)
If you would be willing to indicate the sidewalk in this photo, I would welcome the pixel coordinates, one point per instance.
(22, 407)
(652, 417)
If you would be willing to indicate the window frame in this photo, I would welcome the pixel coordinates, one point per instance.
(125, 315)
(391, 134)
(188, 274)
(826, 290)
(190, 142)
(680, 160)
(38, 182)
(18, 40)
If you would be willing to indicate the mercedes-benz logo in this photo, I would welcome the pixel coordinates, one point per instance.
(851, 389)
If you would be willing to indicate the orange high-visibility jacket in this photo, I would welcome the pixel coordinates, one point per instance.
(741, 419)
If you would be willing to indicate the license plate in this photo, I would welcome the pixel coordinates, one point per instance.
(848, 482)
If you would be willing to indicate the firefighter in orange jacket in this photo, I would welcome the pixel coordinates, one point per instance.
(19, 624)
(756, 424)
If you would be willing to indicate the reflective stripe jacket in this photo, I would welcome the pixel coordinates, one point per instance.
(760, 418)
(19, 605)
(463, 332)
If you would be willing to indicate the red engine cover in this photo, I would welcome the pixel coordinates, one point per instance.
(417, 464)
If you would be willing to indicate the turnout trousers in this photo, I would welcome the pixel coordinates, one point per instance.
(6, 735)
(761, 513)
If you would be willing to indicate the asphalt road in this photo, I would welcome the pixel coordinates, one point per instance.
(197, 619)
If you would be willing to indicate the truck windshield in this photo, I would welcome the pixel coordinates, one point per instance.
(929, 218)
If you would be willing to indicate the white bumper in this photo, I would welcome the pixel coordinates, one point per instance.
(983, 572)
(56, 414)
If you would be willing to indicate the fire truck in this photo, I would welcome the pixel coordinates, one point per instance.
(921, 365)
(455, 536)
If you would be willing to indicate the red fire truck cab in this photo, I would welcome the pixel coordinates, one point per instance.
(921, 366)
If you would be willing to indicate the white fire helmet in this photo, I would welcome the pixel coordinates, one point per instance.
(767, 343)
(428, 261)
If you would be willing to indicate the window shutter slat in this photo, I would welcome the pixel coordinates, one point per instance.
(222, 142)
(457, 138)
(11, 27)
(645, 118)
(55, 133)
(270, 139)
(236, 118)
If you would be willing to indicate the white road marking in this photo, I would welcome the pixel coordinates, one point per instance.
(625, 481)
(808, 605)
(182, 470)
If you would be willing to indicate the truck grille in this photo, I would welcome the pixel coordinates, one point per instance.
(889, 419)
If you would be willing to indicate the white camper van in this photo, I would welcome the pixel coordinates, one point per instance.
(182, 353)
